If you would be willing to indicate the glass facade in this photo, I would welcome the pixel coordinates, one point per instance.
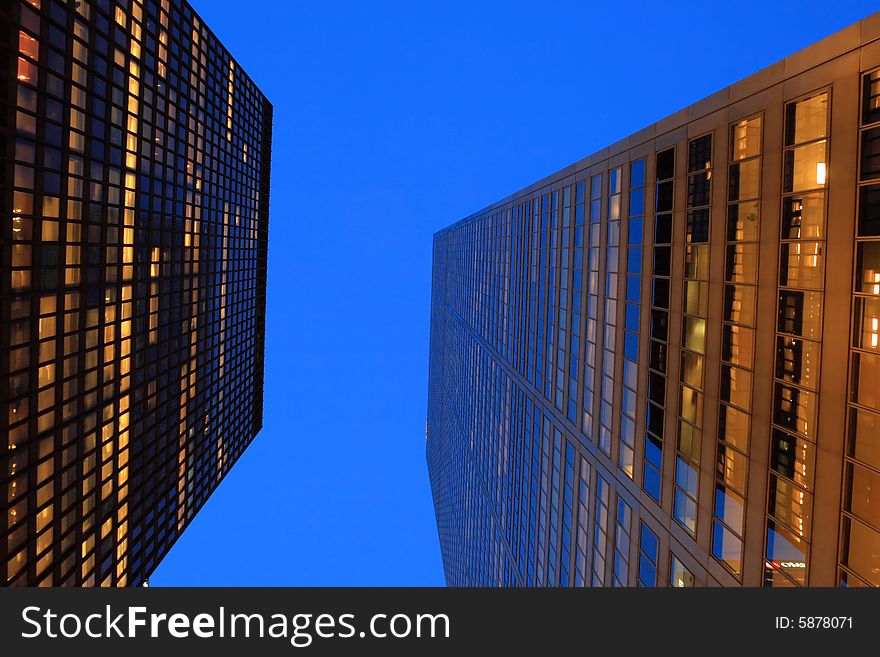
(132, 282)
(628, 379)
(860, 516)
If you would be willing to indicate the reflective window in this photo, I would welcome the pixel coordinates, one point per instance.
(679, 575)
(869, 211)
(648, 553)
(792, 456)
(786, 553)
(871, 98)
(861, 549)
(737, 344)
(803, 217)
(806, 120)
(864, 436)
(870, 162)
(802, 265)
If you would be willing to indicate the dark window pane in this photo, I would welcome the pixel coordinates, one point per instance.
(665, 192)
(660, 325)
(661, 293)
(656, 388)
(742, 222)
(870, 154)
(655, 419)
(698, 226)
(869, 211)
(666, 164)
(699, 189)
(871, 98)
(663, 229)
(657, 358)
(700, 153)
(662, 258)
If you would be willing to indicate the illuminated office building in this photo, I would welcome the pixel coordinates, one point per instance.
(133, 238)
(660, 365)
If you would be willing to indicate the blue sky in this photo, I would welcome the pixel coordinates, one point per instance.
(393, 120)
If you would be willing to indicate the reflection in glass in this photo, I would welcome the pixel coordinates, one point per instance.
(863, 490)
(733, 427)
(793, 457)
(865, 378)
(742, 221)
(866, 323)
(803, 217)
(790, 504)
(805, 168)
(679, 575)
(800, 313)
(869, 211)
(795, 409)
(868, 268)
(864, 436)
(745, 139)
(806, 120)
(802, 265)
(861, 550)
(786, 552)
(736, 344)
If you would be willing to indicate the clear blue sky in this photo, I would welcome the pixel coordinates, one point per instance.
(393, 120)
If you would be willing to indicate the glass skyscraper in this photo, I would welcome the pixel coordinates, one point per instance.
(660, 365)
(133, 235)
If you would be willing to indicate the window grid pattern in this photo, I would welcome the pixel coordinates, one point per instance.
(693, 332)
(577, 289)
(609, 329)
(659, 343)
(632, 316)
(737, 337)
(583, 523)
(133, 285)
(623, 522)
(798, 342)
(600, 530)
(592, 329)
(860, 520)
(649, 548)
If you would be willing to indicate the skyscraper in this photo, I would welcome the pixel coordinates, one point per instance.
(660, 365)
(135, 192)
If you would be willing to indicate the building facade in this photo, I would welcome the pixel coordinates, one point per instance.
(135, 191)
(660, 366)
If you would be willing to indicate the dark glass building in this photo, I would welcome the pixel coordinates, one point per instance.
(133, 234)
(660, 365)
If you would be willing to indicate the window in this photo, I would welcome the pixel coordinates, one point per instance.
(870, 162)
(868, 268)
(864, 437)
(648, 552)
(792, 457)
(805, 167)
(869, 211)
(679, 575)
(871, 98)
(621, 543)
(806, 120)
(787, 554)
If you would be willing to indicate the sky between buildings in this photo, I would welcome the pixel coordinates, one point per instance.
(393, 120)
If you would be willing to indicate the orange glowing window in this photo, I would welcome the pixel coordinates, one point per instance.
(28, 45)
